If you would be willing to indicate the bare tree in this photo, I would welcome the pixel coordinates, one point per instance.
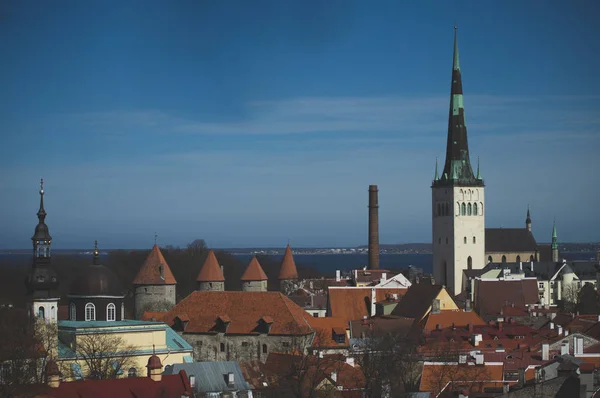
(570, 297)
(390, 363)
(196, 248)
(99, 356)
(446, 371)
(21, 355)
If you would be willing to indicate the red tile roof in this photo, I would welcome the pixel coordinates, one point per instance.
(288, 266)
(244, 309)
(254, 271)
(447, 318)
(150, 274)
(325, 327)
(210, 271)
(353, 303)
(170, 386)
(493, 295)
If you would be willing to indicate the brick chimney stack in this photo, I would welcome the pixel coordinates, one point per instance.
(373, 228)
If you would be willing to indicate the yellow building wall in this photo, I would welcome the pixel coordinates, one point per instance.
(446, 302)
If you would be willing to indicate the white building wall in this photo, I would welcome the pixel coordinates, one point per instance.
(450, 232)
(50, 309)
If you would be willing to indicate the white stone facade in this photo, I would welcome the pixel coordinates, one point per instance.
(458, 215)
(46, 309)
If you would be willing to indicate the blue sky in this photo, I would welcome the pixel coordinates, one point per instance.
(251, 123)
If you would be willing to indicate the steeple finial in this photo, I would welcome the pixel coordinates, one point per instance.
(96, 253)
(455, 60)
(554, 234)
(155, 237)
(41, 212)
(478, 173)
(437, 176)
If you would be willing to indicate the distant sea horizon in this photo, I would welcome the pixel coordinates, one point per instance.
(329, 263)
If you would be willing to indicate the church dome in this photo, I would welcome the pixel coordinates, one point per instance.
(96, 280)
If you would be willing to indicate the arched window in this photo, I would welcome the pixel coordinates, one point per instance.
(264, 349)
(475, 209)
(439, 209)
(489, 259)
(481, 208)
(474, 240)
(132, 372)
(122, 311)
(110, 312)
(41, 313)
(222, 347)
(447, 208)
(90, 312)
(469, 262)
(463, 209)
(503, 259)
(53, 313)
(518, 259)
(465, 240)
(469, 209)
(73, 311)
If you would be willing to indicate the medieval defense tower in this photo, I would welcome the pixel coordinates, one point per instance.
(458, 200)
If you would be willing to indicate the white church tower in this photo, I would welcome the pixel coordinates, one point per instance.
(458, 200)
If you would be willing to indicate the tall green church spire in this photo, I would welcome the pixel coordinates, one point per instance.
(554, 237)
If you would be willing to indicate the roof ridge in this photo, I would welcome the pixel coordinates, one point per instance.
(285, 302)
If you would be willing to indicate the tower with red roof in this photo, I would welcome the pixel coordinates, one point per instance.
(154, 284)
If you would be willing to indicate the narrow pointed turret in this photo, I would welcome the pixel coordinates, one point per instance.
(528, 220)
(287, 270)
(457, 168)
(42, 281)
(436, 176)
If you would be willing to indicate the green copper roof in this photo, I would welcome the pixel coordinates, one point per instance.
(437, 177)
(456, 61)
(554, 237)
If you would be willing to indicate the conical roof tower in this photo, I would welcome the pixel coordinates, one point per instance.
(287, 270)
(211, 276)
(254, 278)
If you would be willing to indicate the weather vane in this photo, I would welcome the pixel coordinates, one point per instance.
(155, 236)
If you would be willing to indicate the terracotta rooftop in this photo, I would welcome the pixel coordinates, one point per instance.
(352, 303)
(254, 271)
(288, 266)
(447, 318)
(210, 271)
(492, 295)
(150, 273)
(170, 386)
(244, 310)
(325, 327)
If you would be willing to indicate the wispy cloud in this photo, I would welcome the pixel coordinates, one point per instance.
(408, 117)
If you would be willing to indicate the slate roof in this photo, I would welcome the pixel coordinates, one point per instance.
(254, 271)
(491, 296)
(211, 376)
(509, 240)
(417, 300)
(381, 325)
(149, 274)
(170, 386)
(244, 310)
(210, 271)
(287, 270)
(352, 303)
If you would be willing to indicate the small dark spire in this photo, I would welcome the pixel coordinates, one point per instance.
(96, 253)
(155, 237)
(436, 176)
(41, 212)
(528, 221)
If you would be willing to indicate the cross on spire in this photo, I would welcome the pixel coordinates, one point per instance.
(155, 237)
